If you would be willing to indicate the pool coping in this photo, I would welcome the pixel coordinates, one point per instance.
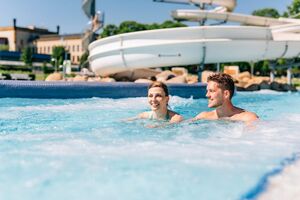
(71, 90)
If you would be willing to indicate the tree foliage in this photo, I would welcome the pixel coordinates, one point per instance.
(171, 24)
(84, 58)
(132, 26)
(109, 30)
(58, 54)
(26, 56)
(294, 9)
(266, 12)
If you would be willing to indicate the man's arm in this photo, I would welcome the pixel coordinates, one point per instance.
(202, 115)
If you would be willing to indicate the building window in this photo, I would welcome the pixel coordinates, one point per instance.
(4, 41)
(77, 48)
(78, 58)
(44, 49)
(73, 48)
(48, 49)
(73, 58)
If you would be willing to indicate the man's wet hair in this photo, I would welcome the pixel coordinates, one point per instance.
(224, 81)
(160, 85)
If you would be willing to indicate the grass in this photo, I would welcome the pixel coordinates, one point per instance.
(13, 72)
(296, 82)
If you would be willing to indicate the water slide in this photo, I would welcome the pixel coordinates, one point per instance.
(197, 15)
(268, 39)
(229, 5)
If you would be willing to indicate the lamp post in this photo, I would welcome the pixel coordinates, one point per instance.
(55, 63)
(64, 44)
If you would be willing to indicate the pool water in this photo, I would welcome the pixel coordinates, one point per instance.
(84, 149)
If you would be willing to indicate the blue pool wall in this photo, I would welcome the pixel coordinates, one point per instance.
(68, 90)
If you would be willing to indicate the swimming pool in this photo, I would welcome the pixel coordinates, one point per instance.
(82, 149)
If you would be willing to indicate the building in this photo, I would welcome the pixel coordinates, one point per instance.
(42, 41)
(72, 43)
(16, 38)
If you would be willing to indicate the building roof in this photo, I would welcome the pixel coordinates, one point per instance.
(60, 37)
(32, 29)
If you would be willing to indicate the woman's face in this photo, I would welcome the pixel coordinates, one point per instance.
(157, 99)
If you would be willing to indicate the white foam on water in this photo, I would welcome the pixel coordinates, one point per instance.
(179, 101)
(34, 137)
(58, 108)
(94, 103)
(8, 115)
(284, 185)
(293, 117)
(273, 92)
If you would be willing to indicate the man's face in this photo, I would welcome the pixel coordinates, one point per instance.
(214, 94)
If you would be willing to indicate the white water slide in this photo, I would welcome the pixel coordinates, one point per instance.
(195, 45)
(228, 4)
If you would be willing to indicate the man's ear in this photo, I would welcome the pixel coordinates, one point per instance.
(226, 94)
(167, 97)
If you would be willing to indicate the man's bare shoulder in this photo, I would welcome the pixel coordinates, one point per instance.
(205, 115)
(245, 116)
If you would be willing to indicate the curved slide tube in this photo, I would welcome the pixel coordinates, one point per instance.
(188, 46)
(228, 4)
(198, 15)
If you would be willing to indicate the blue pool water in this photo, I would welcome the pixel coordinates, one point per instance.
(82, 149)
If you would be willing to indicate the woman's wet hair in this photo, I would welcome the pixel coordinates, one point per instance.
(224, 81)
(159, 85)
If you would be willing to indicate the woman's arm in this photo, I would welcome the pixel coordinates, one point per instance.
(143, 115)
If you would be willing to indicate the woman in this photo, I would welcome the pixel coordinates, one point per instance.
(158, 98)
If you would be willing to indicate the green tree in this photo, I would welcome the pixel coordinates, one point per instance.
(266, 12)
(262, 68)
(293, 10)
(131, 26)
(152, 26)
(109, 30)
(171, 24)
(26, 56)
(84, 59)
(58, 54)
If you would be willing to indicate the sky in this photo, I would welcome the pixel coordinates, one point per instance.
(71, 19)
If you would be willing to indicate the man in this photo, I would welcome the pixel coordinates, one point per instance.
(220, 89)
